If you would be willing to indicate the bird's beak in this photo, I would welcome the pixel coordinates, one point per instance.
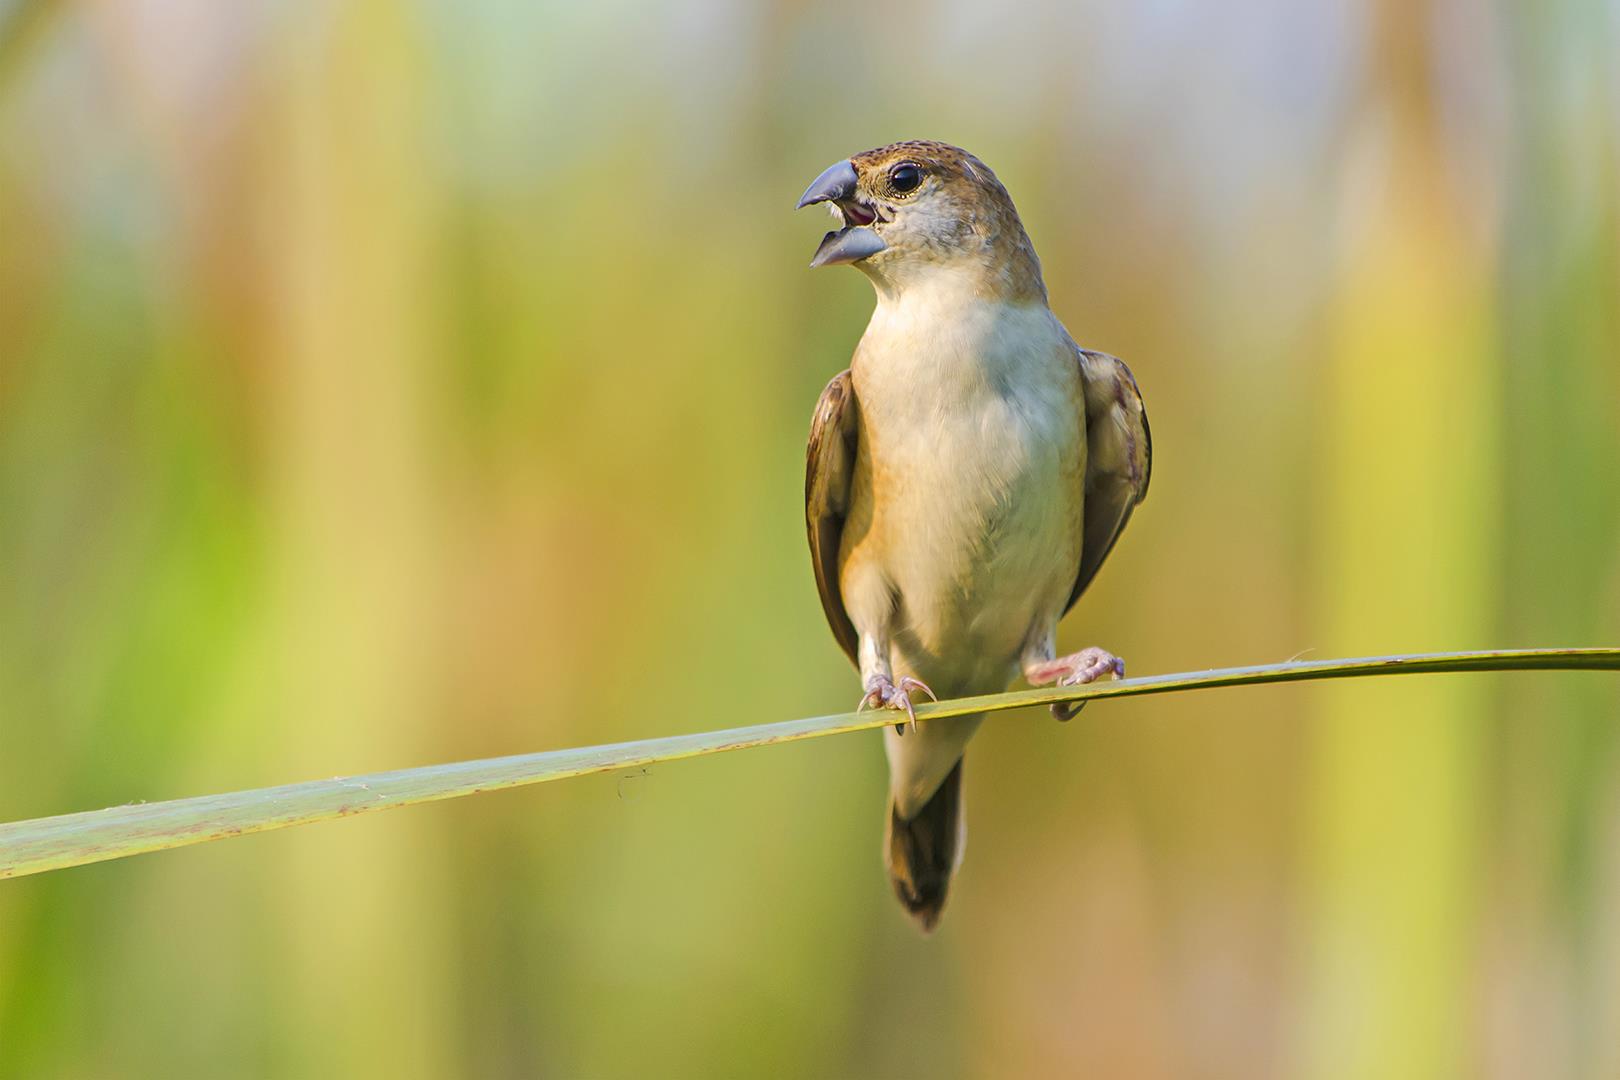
(854, 241)
(834, 185)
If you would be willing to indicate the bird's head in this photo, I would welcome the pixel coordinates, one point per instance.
(915, 210)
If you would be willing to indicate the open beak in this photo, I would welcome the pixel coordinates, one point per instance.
(855, 241)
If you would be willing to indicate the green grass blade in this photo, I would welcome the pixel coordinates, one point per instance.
(54, 843)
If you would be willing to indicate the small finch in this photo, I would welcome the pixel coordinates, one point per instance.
(965, 478)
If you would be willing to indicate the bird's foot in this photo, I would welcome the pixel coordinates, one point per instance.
(1085, 666)
(883, 693)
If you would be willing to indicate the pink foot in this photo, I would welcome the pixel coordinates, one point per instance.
(1085, 666)
(882, 693)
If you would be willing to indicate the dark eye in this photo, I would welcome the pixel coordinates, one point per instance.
(905, 177)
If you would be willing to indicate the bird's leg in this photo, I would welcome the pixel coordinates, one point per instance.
(882, 691)
(1087, 665)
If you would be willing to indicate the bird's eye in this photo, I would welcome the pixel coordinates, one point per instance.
(905, 177)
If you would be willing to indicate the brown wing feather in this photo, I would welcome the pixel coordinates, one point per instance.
(1119, 462)
(829, 463)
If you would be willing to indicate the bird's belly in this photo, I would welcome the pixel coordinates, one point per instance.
(983, 538)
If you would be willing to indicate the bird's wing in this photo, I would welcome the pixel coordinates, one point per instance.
(829, 464)
(1119, 461)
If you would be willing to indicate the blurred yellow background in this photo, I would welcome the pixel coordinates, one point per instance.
(391, 383)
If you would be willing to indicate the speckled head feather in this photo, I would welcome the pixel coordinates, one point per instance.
(936, 206)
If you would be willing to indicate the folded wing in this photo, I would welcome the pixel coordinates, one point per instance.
(829, 464)
(1119, 459)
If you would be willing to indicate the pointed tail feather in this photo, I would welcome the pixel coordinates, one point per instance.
(923, 852)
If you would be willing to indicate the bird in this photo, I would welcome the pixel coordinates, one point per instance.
(965, 477)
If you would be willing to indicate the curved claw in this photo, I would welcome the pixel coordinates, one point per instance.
(1066, 710)
(909, 683)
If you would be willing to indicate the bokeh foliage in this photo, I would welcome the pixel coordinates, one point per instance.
(390, 383)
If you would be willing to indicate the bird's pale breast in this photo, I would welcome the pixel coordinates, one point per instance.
(966, 505)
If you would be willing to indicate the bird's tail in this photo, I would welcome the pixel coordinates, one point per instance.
(923, 851)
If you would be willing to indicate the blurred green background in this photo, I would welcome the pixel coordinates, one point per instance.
(389, 383)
